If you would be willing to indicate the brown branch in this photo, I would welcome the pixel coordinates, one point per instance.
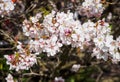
(99, 76)
(3, 49)
(31, 8)
(53, 5)
(30, 74)
(7, 36)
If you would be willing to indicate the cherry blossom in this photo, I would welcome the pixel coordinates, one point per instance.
(21, 60)
(91, 8)
(9, 78)
(6, 6)
(59, 79)
(75, 67)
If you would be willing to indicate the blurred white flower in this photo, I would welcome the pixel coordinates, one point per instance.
(6, 6)
(99, 41)
(34, 19)
(23, 59)
(109, 17)
(118, 42)
(116, 57)
(52, 46)
(91, 8)
(59, 79)
(9, 78)
(75, 67)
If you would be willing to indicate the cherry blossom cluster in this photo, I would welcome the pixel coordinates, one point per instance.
(105, 46)
(6, 6)
(91, 8)
(59, 28)
(21, 60)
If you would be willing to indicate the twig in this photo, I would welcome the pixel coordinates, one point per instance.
(99, 76)
(3, 49)
(7, 36)
(30, 74)
(31, 8)
(53, 4)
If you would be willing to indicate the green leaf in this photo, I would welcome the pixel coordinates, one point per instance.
(1, 66)
(72, 80)
(110, 26)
